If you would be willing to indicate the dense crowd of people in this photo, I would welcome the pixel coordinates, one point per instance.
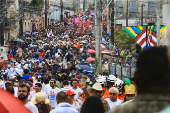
(55, 73)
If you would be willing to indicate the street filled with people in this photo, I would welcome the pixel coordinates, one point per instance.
(54, 71)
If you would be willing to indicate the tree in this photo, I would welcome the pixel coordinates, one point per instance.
(123, 39)
(37, 2)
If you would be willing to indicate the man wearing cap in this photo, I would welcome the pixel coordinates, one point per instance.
(8, 83)
(96, 90)
(111, 82)
(70, 95)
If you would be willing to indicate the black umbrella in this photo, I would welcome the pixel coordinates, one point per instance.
(36, 53)
(133, 54)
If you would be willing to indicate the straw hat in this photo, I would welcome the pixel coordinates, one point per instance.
(96, 86)
(39, 98)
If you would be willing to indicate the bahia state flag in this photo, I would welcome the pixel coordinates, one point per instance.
(144, 36)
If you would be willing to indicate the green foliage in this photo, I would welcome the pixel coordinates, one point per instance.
(123, 39)
(37, 2)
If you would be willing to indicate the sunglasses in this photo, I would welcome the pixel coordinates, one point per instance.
(22, 91)
(51, 82)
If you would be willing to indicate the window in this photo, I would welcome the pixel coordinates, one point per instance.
(119, 5)
(151, 6)
(25, 26)
(28, 27)
(133, 7)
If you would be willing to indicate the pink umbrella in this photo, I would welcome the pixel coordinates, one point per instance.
(89, 59)
(106, 52)
(66, 36)
(103, 47)
(91, 51)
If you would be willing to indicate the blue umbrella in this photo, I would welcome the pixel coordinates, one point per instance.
(34, 33)
(26, 33)
(33, 46)
(86, 68)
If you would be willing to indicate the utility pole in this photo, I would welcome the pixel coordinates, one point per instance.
(45, 14)
(98, 33)
(74, 6)
(127, 13)
(112, 23)
(158, 23)
(108, 17)
(142, 14)
(21, 20)
(1, 25)
(84, 5)
(61, 16)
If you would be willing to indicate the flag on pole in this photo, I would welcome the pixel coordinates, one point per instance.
(138, 33)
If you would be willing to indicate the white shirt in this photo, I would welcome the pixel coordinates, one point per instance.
(46, 88)
(30, 106)
(113, 104)
(52, 93)
(76, 105)
(64, 108)
(32, 94)
(65, 89)
(2, 84)
(76, 91)
(16, 91)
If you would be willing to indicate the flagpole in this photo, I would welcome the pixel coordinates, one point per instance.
(158, 23)
(146, 36)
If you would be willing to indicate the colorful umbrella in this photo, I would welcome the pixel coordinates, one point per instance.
(89, 59)
(34, 33)
(103, 47)
(91, 51)
(106, 52)
(26, 33)
(18, 40)
(66, 36)
(38, 41)
(86, 68)
(10, 104)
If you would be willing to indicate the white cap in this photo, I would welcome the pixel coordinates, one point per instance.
(112, 78)
(88, 80)
(101, 79)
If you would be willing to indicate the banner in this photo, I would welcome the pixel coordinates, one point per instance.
(3, 53)
(19, 52)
